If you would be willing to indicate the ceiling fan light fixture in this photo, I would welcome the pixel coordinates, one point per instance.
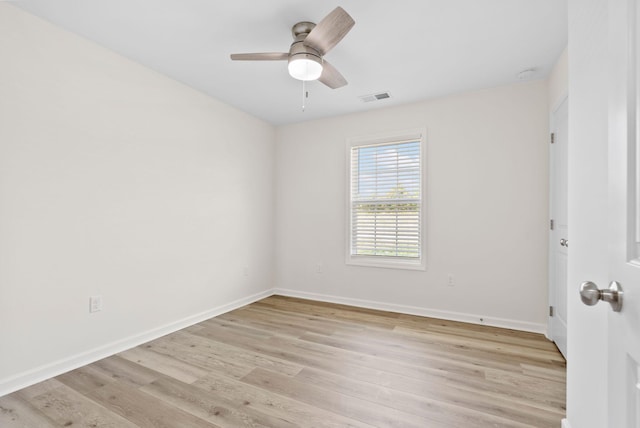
(311, 43)
(305, 67)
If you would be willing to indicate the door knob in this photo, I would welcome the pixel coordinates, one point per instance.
(564, 243)
(590, 294)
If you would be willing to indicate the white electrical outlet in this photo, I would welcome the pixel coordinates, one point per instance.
(319, 267)
(95, 304)
(450, 281)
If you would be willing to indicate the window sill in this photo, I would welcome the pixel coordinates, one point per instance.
(386, 263)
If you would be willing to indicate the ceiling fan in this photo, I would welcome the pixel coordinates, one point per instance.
(310, 43)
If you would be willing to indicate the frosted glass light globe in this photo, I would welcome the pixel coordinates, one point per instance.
(305, 69)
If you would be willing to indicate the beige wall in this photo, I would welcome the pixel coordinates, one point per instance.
(117, 181)
(487, 209)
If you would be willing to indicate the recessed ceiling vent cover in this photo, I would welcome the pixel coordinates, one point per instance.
(527, 74)
(374, 97)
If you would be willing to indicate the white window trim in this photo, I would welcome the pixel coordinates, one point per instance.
(388, 262)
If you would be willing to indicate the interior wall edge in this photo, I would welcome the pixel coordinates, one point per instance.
(47, 371)
(540, 328)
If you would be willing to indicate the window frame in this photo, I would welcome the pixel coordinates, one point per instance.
(416, 134)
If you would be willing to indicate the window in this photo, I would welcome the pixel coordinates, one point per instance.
(386, 201)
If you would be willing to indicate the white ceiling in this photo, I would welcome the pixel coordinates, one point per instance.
(415, 49)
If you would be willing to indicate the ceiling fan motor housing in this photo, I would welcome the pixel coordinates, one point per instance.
(299, 51)
(298, 48)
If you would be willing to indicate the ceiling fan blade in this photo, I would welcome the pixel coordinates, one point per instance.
(262, 56)
(331, 77)
(329, 31)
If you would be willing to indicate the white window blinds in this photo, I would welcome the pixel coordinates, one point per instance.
(386, 200)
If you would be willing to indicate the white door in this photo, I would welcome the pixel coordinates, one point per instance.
(558, 237)
(603, 345)
(624, 215)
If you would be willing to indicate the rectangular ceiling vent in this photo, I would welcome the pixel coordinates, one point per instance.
(375, 97)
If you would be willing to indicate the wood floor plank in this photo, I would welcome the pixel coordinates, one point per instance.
(309, 353)
(439, 402)
(222, 411)
(143, 409)
(557, 374)
(432, 349)
(17, 412)
(491, 334)
(381, 361)
(478, 344)
(423, 357)
(126, 371)
(316, 323)
(552, 402)
(339, 312)
(164, 364)
(68, 407)
(231, 353)
(336, 402)
(267, 401)
(287, 362)
(524, 381)
(284, 327)
(205, 360)
(39, 388)
(85, 378)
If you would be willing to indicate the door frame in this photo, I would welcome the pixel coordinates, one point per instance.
(587, 398)
(551, 290)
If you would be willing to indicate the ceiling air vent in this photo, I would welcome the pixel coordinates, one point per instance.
(374, 97)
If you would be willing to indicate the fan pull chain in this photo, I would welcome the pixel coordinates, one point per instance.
(305, 94)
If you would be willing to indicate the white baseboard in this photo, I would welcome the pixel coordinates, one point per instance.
(565, 423)
(47, 371)
(414, 310)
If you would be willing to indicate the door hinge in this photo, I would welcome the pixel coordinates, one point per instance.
(550, 311)
(553, 137)
(551, 224)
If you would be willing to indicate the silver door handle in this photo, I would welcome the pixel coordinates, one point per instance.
(564, 243)
(590, 294)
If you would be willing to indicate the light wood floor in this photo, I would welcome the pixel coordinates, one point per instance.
(285, 362)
